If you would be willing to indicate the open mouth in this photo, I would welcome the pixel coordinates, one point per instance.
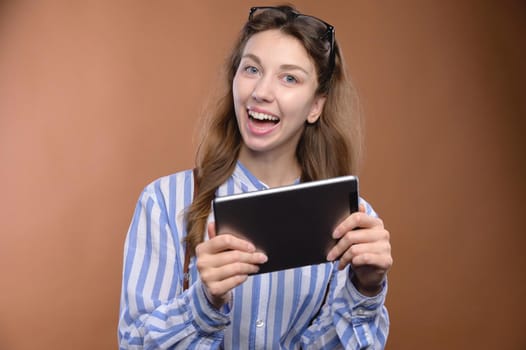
(262, 118)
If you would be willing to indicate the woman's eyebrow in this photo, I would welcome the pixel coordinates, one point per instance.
(293, 67)
(282, 67)
(252, 57)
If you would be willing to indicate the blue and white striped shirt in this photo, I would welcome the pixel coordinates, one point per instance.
(279, 310)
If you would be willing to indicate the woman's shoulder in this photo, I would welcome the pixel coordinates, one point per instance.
(166, 184)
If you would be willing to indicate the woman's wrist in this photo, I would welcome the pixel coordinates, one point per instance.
(217, 302)
(366, 290)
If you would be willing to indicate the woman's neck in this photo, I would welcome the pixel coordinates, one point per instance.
(273, 171)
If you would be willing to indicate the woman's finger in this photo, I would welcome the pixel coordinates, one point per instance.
(224, 242)
(355, 237)
(218, 289)
(229, 257)
(211, 230)
(380, 261)
(366, 254)
(227, 271)
(355, 221)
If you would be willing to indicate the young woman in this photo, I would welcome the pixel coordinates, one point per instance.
(287, 116)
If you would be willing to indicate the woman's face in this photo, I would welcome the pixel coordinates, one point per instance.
(274, 94)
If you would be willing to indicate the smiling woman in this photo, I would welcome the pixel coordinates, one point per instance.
(97, 98)
(285, 115)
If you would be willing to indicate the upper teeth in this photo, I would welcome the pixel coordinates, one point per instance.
(262, 116)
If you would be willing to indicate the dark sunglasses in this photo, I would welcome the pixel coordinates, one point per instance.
(291, 14)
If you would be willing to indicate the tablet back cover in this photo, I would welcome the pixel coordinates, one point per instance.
(291, 224)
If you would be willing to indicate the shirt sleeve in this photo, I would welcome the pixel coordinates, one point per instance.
(155, 312)
(348, 319)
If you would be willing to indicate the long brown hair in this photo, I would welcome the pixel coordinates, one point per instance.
(329, 147)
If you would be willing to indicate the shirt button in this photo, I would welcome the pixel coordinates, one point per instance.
(260, 323)
(360, 312)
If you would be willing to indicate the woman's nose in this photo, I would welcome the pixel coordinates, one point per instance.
(263, 90)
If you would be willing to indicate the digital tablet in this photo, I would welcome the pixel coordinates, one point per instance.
(293, 224)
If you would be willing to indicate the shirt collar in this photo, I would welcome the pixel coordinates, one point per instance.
(248, 180)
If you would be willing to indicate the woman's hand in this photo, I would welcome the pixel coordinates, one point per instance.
(224, 262)
(363, 242)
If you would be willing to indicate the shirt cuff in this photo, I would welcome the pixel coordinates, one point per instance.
(206, 317)
(364, 308)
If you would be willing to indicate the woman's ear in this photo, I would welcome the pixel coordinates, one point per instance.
(316, 109)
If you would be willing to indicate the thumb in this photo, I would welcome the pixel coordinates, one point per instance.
(361, 208)
(211, 230)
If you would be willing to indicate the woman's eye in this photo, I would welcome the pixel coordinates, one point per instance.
(251, 69)
(290, 79)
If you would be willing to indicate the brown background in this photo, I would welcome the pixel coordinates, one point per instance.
(98, 98)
